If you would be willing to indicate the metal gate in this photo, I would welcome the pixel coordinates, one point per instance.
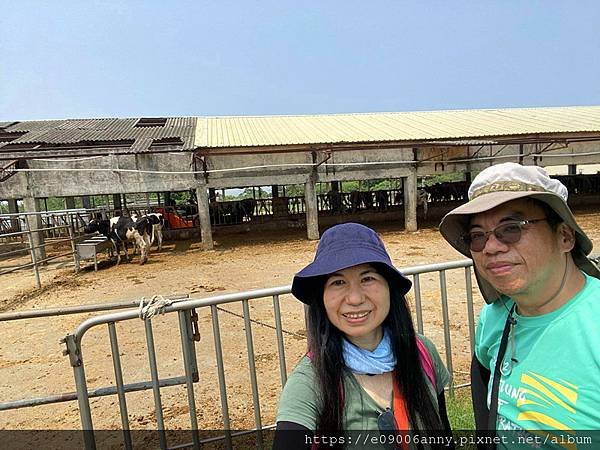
(189, 334)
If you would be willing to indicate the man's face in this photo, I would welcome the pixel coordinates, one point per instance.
(528, 268)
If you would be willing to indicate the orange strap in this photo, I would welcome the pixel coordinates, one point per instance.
(400, 414)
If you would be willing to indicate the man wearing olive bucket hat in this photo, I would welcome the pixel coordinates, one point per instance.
(543, 304)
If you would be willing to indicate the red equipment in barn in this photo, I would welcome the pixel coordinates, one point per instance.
(172, 218)
(178, 226)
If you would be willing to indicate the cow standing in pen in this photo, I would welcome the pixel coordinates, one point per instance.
(124, 229)
(158, 223)
(120, 230)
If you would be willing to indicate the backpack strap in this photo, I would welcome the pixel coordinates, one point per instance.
(426, 363)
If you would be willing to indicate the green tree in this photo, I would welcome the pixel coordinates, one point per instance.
(443, 178)
(294, 190)
(381, 185)
(349, 186)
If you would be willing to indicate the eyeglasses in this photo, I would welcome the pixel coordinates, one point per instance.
(507, 233)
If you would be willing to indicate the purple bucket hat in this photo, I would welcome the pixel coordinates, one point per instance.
(342, 246)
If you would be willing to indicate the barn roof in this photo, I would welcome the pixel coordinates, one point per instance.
(215, 132)
(72, 137)
(90, 135)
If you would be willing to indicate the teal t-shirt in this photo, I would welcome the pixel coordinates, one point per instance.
(299, 402)
(555, 383)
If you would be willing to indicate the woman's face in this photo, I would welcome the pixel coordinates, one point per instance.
(357, 301)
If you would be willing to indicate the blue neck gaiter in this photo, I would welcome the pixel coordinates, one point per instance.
(361, 361)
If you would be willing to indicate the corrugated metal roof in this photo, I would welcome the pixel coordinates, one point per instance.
(73, 131)
(214, 132)
(450, 127)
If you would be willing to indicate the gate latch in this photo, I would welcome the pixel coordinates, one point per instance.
(195, 328)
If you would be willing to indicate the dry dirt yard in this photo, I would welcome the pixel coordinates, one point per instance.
(32, 364)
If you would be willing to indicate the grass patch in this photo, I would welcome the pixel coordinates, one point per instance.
(460, 410)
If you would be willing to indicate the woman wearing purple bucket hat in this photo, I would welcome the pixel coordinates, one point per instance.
(366, 369)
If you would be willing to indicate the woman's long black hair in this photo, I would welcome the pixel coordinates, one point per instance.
(325, 344)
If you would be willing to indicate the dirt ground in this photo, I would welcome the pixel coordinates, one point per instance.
(32, 364)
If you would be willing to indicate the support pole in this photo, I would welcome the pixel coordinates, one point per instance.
(69, 202)
(212, 195)
(410, 201)
(117, 204)
(34, 223)
(521, 151)
(74, 247)
(13, 208)
(86, 202)
(312, 212)
(335, 198)
(204, 216)
(34, 263)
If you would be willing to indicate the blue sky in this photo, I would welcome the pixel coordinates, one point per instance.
(182, 58)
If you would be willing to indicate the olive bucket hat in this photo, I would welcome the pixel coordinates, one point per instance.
(343, 246)
(501, 183)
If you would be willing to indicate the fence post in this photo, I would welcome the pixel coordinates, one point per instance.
(73, 248)
(85, 413)
(33, 258)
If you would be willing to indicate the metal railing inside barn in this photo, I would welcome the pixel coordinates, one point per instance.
(211, 308)
(33, 240)
(36, 243)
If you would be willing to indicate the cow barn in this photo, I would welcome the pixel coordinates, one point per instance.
(32, 364)
(67, 158)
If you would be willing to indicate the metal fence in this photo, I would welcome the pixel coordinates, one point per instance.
(77, 218)
(185, 313)
(52, 221)
(350, 202)
(235, 212)
(16, 246)
(51, 313)
(29, 241)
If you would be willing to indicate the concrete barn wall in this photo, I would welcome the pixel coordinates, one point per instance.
(273, 168)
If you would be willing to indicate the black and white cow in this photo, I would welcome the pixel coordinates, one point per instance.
(120, 230)
(158, 223)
